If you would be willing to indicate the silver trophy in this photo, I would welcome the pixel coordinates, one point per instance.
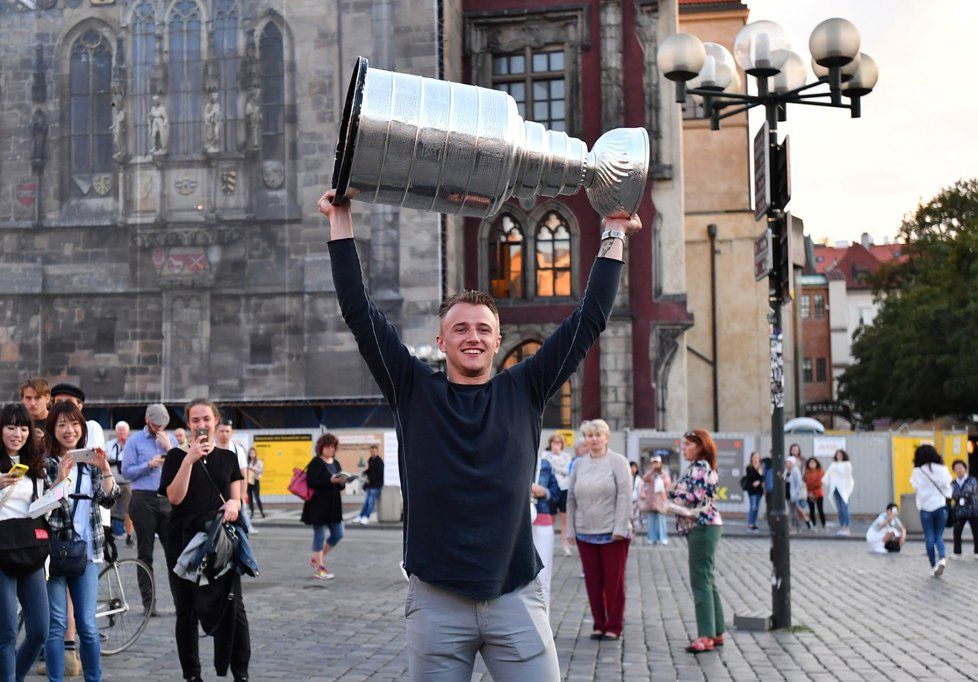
(460, 149)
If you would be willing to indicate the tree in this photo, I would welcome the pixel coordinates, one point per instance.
(919, 359)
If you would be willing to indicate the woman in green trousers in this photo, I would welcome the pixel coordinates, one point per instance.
(693, 500)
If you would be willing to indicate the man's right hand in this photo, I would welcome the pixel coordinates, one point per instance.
(198, 449)
(340, 216)
(156, 462)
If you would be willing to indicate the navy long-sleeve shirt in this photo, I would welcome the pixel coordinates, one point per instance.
(467, 453)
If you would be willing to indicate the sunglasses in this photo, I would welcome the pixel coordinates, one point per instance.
(689, 435)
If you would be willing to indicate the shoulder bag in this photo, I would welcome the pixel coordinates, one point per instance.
(69, 552)
(24, 544)
(299, 485)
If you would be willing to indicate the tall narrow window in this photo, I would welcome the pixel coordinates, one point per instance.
(819, 305)
(553, 244)
(226, 41)
(144, 43)
(806, 370)
(272, 57)
(820, 373)
(91, 110)
(506, 258)
(806, 307)
(537, 80)
(186, 72)
(558, 413)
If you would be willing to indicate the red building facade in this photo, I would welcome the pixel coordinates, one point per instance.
(580, 68)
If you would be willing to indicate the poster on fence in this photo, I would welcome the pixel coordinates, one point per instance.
(825, 446)
(281, 453)
(730, 467)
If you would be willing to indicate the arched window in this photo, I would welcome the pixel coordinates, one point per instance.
(185, 74)
(506, 258)
(553, 246)
(272, 58)
(226, 42)
(559, 411)
(144, 43)
(91, 109)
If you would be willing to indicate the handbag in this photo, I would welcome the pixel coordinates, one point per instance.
(299, 485)
(69, 552)
(24, 544)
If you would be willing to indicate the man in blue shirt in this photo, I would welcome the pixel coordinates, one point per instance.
(142, 462)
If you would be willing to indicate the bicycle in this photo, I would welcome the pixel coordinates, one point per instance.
(119, 613)
(118, 623)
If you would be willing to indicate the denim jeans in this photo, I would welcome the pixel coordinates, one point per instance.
(842, 507)
(755, 504)
(33, 596)
(370, 503)
(319, 535)
(656, 525)
(933, 523)
(84, 596)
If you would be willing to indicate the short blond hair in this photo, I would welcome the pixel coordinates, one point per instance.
(596, 426)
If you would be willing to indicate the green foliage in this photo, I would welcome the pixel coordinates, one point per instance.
(919, 359)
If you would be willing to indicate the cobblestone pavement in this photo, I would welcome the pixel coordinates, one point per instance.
(858, 616)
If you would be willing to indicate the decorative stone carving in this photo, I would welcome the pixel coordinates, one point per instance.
(229, 181)
(253, 119)
(212, 125)
(189, 236)
(159, 127)
(612, 84)
(273, 174)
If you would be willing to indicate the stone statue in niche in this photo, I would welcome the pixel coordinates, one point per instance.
(212, 125)
(253, 118)
(119, 133)
(39, 138)
(159, 127)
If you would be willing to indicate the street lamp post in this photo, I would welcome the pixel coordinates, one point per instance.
(708, 71)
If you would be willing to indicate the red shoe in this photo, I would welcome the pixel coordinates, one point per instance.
(700, 644)
(718, 640)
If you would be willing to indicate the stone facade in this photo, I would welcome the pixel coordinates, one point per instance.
(168, 271)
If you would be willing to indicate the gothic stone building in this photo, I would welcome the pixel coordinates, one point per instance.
(160, 163)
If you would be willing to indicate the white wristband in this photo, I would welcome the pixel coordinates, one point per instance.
(613, 234)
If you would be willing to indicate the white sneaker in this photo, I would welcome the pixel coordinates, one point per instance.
(364, 520)
(939, 568)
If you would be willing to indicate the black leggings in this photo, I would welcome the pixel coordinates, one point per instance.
(254, 495)
(813, 504)
(959, 527)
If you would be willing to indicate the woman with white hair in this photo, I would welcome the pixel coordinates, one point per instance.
(599, 506)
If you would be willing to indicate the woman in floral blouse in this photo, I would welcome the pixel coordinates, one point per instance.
(693, 500)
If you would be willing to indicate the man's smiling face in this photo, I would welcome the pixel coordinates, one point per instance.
(469, 339)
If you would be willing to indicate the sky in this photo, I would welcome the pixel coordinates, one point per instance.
(919, 127)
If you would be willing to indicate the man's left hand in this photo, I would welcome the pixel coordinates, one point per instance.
(629, 224)
(618, 538)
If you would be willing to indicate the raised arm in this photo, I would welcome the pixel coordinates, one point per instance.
(389, 361)
(565, 348)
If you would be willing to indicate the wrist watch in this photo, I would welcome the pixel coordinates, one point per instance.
(613, 234)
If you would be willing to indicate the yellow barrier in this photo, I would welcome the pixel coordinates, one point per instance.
(952, 446)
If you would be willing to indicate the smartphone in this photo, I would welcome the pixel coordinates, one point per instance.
(18, 471)
(201, 432)
(83, 455)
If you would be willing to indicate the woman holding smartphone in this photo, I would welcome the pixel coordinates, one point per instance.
(92, 486)
(22, 480)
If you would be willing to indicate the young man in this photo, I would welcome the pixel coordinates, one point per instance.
(223, 440)
(468, 442)
(142, 464)
(374, 475)
(35, 394)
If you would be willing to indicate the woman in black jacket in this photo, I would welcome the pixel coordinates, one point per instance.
(753, 485)
(325, 509)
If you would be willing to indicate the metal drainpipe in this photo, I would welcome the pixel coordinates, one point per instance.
(711, 231)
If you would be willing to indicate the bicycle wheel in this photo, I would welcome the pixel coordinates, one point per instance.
(119, 614)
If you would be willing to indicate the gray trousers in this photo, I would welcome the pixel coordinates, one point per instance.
(446, 629)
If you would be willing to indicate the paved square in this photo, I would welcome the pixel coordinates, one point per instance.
(860, 616)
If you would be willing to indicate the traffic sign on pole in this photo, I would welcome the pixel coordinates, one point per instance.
(762, 175)
(763, 255)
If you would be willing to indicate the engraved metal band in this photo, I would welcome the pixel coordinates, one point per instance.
(613, 234)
